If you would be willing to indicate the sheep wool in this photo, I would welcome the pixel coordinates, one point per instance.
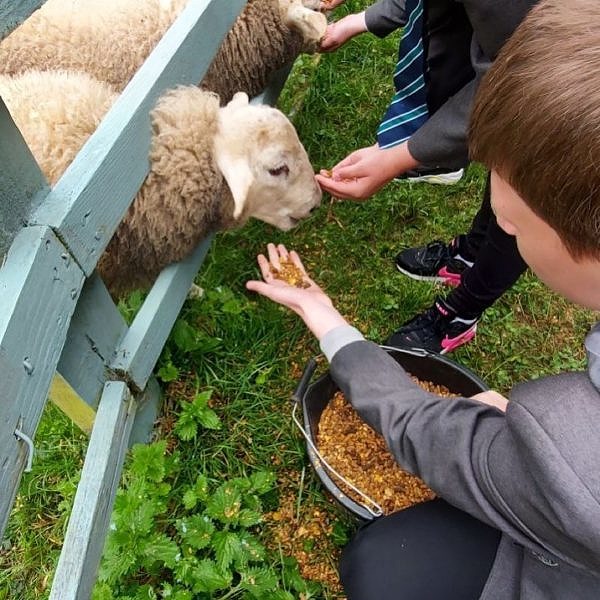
(182, 200)
(53, 114)
(211, 167)
(258, 44)
(108, 40)
(111, 39)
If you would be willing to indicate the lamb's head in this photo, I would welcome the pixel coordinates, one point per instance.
(311, 24)
(266, 167)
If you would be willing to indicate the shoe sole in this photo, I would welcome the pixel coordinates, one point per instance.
(445, 179)
(434, 278)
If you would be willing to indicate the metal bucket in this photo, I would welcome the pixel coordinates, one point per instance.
(314, 397)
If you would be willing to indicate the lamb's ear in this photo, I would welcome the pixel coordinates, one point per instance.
(239, 178)
(239, 99)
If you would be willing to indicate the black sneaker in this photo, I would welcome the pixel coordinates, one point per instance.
(439, 329)
(435, 262)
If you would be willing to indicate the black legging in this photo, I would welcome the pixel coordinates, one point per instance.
(431, 551)
(497, 263)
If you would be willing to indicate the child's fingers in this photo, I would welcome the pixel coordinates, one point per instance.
(338, 189)
(273, 256)
(260, 287)
(265, 268)
(348, 173)
(283, 253)
(349, 160)
(296, 260)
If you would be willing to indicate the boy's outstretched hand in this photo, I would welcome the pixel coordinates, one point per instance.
(311, 303)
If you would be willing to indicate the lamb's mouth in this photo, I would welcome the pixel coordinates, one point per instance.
(290, 223)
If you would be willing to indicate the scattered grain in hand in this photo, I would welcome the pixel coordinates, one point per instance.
(290, 273)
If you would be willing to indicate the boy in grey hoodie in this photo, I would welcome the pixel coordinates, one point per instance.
(520, 479)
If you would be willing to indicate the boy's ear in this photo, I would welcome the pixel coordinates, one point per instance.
(239, 178)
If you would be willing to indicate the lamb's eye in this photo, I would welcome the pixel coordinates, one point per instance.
(282, 170)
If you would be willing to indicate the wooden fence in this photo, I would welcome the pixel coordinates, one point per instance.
(61, 335)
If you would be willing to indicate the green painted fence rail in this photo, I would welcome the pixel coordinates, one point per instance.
(61, 334)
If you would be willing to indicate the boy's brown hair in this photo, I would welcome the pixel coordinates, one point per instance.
(536, 119)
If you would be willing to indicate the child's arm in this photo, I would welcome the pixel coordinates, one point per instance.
(501, 469)
(380, 19)
(385, 16)
(338, 33)
(470, 453)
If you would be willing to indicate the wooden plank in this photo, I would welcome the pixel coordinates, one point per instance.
(90, 199)
(84, 540)
(39, 286)
(143, 343)
(273, 90)
(95, 331)
(67, 399)
(148, 405)
(22, 184)
(12, 13)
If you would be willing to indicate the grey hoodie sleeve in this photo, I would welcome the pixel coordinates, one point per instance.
(502, 469)
(385, 16)
(442, 140)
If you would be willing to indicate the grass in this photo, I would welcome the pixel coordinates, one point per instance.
(251, 352)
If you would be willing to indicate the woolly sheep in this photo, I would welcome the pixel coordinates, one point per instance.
(211, 167)
(110, 40)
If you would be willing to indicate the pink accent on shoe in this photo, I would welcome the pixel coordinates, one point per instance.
(452, 344)
(441, 309)
(448, 278)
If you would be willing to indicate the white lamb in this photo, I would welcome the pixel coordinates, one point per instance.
(110, 40)
(211, 167)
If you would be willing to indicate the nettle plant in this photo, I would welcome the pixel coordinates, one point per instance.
(198, 541)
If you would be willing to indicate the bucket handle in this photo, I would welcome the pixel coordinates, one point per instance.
(376, 511)
(307, 374)
(311, 365)
(370, 505)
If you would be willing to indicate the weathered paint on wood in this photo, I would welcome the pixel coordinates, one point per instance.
(84, 540)
(96, 329)
(14, 12)
(273, 90)
(92, 196)
(148, 404)
(141, 347)
(39, 286)
(22, 184)
(67, 399)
